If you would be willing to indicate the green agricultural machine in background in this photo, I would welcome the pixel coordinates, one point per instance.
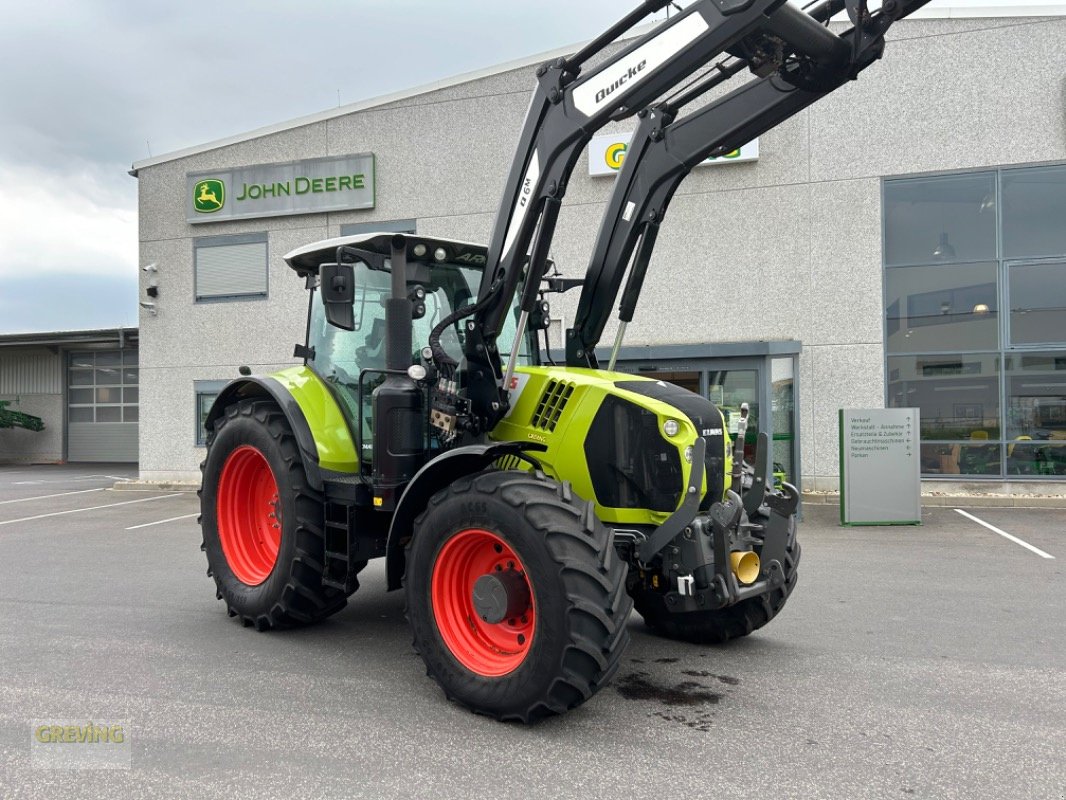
(525, 507)
(17, 419)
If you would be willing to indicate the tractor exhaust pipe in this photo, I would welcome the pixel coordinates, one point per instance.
(745, 566)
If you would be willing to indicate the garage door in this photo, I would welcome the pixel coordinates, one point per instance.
(102, 409)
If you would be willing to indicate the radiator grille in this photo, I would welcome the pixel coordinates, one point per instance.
(551, 405)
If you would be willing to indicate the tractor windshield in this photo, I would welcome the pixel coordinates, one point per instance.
(340, 355)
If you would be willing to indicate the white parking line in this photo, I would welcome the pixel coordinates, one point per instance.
(70, 480)
(90, 508)
(46, 496)
(160, 522)
(1006, 535)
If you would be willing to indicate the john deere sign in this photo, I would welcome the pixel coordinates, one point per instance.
(341, 183)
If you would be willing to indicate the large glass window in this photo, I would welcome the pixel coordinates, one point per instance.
(990, 386)
(1037, 302)
(940, 220)
(949, 307)
(958, 395)
(1034, 212)
(1036, 414)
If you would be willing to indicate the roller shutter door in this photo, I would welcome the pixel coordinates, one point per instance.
(102, 406)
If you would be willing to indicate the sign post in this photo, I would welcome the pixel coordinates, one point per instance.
(880, 475)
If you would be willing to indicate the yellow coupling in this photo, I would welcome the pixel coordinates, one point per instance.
(745, 566)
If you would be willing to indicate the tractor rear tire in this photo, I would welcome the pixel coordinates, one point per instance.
(262, 522)
(558, 630)
(722, 625)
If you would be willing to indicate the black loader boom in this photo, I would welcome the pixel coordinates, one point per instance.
(664, 150)
(567, 108)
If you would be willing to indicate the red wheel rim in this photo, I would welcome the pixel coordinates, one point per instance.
(482, 647)
(249, 515)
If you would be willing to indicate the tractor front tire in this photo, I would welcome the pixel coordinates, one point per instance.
(262, 522)
(722, 625)
(515, 595)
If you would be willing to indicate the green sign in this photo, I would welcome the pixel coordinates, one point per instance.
(208, 196)
(337, 183)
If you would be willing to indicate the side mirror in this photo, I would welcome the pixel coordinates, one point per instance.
(337, 284)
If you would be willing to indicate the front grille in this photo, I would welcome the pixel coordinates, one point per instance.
(551, 405)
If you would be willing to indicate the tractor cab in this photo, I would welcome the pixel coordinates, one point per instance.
(347, 331)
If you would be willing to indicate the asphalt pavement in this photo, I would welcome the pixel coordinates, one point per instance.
(910, 662)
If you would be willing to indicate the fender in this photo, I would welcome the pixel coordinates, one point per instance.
(434, 476)
(261, 386)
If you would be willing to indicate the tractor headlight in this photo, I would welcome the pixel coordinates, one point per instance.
(440, 254)
(688, 454)
(671, 427)
(419, 250)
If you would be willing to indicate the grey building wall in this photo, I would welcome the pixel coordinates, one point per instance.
(31, 380)
(793, 239)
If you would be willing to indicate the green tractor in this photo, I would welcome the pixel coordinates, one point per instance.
(524, 507)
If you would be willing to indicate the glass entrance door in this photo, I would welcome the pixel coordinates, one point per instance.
(728, 388)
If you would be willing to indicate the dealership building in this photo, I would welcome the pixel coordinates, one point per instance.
(901, 243)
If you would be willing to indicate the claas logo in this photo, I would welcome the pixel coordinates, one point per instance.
(209, 195)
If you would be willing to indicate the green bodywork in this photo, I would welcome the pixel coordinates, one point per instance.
(333, 438)
(565, 457)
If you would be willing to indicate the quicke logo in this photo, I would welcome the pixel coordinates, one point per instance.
(209, 195)
(620, 81)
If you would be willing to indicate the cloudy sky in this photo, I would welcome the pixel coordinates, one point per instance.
(90, 86)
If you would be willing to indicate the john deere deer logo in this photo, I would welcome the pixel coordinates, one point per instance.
(209, 195)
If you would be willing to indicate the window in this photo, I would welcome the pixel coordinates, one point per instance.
(975, 303)
(940, 220)
(390, 226)
(947, 307)
(958, 395)
(1037, 302)
(1034, 206)
(205, 393)
(102, 386)
(228, 267)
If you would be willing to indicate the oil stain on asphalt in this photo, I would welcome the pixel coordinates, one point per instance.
(702, 673)
(636, 686)
(684, 702)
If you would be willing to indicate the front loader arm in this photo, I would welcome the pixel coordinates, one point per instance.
(663, 151)
(567, 108)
